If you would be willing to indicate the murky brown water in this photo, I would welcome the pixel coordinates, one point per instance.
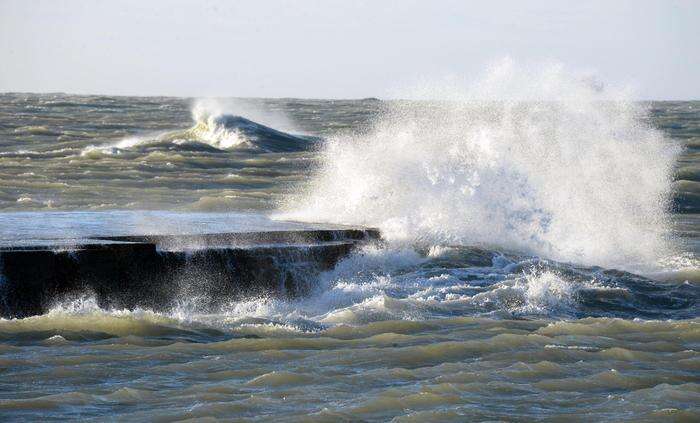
(417, 330)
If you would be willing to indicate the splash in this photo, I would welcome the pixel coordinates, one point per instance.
(541, 161)
(537, 291)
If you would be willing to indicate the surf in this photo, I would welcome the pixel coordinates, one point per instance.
(556, 167)
(212, 131)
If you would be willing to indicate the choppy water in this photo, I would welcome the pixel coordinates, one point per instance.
(494, 298)
(68, 152)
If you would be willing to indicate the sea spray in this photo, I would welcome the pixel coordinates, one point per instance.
(543, 162)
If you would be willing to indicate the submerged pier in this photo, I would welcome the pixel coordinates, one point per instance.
(157, 271)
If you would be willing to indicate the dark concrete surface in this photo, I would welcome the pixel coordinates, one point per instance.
(155, 272)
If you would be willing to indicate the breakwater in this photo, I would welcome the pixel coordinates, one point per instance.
(156, 271)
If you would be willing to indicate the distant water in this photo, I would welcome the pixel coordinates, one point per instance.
(102, 153)
(540, 259)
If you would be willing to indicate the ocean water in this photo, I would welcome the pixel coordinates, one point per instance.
(540, 258)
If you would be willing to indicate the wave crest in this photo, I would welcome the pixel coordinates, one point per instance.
(578, 176)
(212, 131)
(226, 131)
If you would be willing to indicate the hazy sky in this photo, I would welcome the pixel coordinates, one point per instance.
(337, 49)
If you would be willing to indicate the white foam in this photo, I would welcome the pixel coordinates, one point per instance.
(555, 167)
(208, 130)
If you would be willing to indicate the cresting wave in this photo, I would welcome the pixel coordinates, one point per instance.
(379, 284)
(213, 130)
(557, 167)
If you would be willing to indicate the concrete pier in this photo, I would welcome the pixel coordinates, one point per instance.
(158, 271)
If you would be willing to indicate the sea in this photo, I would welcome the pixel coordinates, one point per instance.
(539, 258)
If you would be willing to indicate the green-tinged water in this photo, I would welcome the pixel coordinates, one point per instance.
(142, 366)
(67, 152)
(539, 263)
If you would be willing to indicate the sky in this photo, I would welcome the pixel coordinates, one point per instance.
(337, 49)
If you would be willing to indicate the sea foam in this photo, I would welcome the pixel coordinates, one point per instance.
(542, 161)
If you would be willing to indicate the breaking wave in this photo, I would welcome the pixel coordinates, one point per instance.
(557, 167)
(212, 131)
(393, 285)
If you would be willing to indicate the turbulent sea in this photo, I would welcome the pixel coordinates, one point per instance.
(539, 261)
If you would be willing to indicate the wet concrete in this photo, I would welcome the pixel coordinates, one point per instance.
(158, 271)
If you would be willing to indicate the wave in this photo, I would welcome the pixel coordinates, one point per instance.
(555, 167)
(212, 132)
(228, 132)
(377, 289)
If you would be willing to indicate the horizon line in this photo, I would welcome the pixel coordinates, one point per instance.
(290, 98)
